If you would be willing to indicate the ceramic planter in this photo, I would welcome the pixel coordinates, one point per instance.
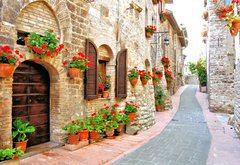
(134, 81)
(73, 72)
(120, 127)
(6, 70)
(83, 135)
(73, 139)
(94, 134)
(109, 132)
(155, 2)
(22, 145)
(148, 35)
(144, 82)
(105, 94)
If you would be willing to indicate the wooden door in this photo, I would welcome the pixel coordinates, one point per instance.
(31, 99)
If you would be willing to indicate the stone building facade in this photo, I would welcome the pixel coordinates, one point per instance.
(108, 28)
(220, 63)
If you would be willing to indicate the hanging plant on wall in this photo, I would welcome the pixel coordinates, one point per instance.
(226, 13)
(43, 46)
(163, 16)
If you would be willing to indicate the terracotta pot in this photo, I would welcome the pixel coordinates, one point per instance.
(83, 135)
(148, 35)
(144, 82)
(131, 116)
(109, 132)
(105, 94)
(73, 72)
(134, 81)
(73, 139)
(94, 134)
(155, 2)
(236, 24)
(99, 95)
(159, 76)
(22, 145)
(234, 31)
(158, 107)
(120, 127)
(6, 70)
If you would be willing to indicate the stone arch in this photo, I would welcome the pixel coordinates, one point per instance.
(104, 51)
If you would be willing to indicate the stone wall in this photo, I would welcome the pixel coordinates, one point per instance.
(110, 24)
(221, 68)
(237, 99)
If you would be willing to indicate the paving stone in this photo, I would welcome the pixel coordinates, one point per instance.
(184, 140)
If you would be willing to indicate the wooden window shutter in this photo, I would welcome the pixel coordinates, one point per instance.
(121, 74)
(90, 80)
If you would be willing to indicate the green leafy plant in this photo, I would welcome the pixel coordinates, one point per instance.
(7, 154)
(130, 107)
(96, 122)
(122, 117)
(8, 57)
(134, 73)
(41, 46)
(82, 124)
(192, 68)
(163, 16)
(107, 85)
(71, 128)
(202, 71)
(20, 129)
(107, 76)
(151, 29)
(81, 61)
(111, 124)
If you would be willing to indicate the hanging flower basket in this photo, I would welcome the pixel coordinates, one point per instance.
(73, 72)
(6, 70)
(133, 81)
(144, 81)
(148, 35)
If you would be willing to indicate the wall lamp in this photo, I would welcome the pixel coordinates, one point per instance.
(135, 6)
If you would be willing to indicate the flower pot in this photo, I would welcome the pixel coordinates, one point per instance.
(148, 35)
(83, 135)
(158, 107)
(94, 134)
(73, 72)
(120, 127)
(109, 131)
(6, 70)
(22, 145)
(236, 24)
(144, 82)
(234, 31)
(131, 116)
(155, 2)
(134, 81)
(105, 94)
(99, 95)
(10, 162)
(73, 139)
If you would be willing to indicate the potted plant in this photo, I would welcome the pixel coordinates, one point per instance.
(130, 109)
(156, 1)
(163, 16)
(46, 46)
(100, 90)
(107, 86)
(202, 74)
(96, 125)
(107, 77)
(149, 30)
(10, 156)
(157, 73)
(8, 60)
(165, 61)
(133, 76)
(20, 129)
(155, 80)
(159, 97)
(122, 119)
(78, 63)
(145, 76)
(83, 129)
(169, 78)
(72, 131)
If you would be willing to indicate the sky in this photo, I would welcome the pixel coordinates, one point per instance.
(189, 13)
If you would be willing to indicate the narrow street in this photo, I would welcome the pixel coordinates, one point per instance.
(179, 137)
(186, 140)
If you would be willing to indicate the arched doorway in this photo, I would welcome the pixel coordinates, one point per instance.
(31, 84)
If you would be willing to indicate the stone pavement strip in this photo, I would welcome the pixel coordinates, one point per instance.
(185, 141)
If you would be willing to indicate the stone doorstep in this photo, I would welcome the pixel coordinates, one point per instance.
(73, 147)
